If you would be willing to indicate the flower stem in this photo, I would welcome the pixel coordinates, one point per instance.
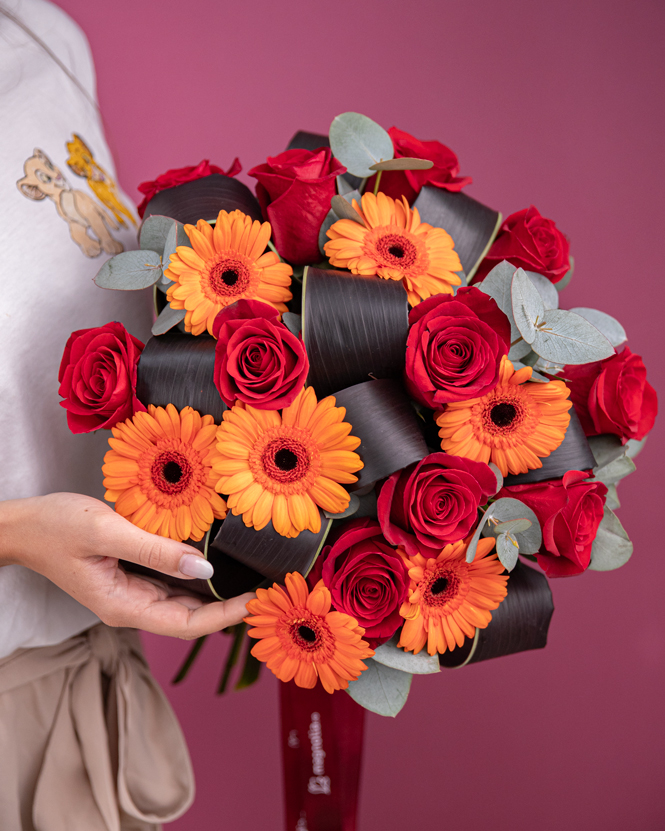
(516, 341)
(272, 248)
(232, 659)
(189, 660)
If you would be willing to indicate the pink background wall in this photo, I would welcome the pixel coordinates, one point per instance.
(559, 104)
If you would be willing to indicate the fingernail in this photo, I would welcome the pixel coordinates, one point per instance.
(194, 566)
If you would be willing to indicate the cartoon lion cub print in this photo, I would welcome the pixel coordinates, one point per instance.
(89, 224)
(83, 163)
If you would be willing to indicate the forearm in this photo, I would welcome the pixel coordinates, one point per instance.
(17, 517)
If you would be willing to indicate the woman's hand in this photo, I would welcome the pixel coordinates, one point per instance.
(76, 541)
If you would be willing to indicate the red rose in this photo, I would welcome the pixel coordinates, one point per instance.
(455, 346)
(294, 190)
(613, 396)
(257, 359)
(444, 174)
(180, 175)
(98, 377)
(434, 502)
(529, 241)
(569, 511)
(366, 578)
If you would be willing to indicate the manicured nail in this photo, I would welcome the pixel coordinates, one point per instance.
(194, 566)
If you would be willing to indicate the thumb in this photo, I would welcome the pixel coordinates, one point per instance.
(158, 553)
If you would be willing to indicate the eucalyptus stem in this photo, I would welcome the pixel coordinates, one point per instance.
(378, 181)
(516, 341)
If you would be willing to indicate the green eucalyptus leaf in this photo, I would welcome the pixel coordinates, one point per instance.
(358, 142)
(293, 322)
(549, 295)
(344, 209)
(633, 447)
(507, 549)
(530, 359)
(606, 324)
(612, 548)
(612, 498)
(349, 196)
(343, 186)
(381, 689)
(535, 376)
(354, 504)
(551, 368)
(505, 510)
(403, 164)
(473, 543)
(328, 222)
(606, 448)
(497, 285)
(332, 217)
(175, 237)
(519, 350)
(130, 271)
(390, 655)
(512, 526)
(567, 277)
(566, 338)
(167, 319)
(499, 476)
(615, 471)
(153, 233)
(528, 307)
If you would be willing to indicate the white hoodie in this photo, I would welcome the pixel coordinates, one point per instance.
(57, 226)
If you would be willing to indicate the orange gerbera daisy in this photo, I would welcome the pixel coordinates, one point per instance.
(224, 265)
(514, 426)
(159, 472)
(396, 245)
(301, 639)
(449, 598)
(281, 467)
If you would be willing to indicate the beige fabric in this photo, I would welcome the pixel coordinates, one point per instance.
(88, 741)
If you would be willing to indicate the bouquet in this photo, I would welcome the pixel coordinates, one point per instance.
(363, 400)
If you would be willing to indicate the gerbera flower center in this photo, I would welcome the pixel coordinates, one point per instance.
(285, 460)
(442, 587)
(307, 634)
(171, 472)
(503, 414)
(439, 585)
(229, 276)
(397, 250)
